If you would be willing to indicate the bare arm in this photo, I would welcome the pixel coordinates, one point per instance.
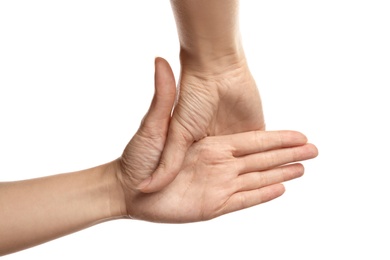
(38, 210)
(209, 33)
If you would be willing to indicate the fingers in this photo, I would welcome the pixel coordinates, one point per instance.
(246, 199)
(254, 188)
(260, 141)
(275, 158)
(257, 180)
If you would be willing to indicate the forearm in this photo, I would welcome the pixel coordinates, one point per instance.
(38, 210)
(208, 31)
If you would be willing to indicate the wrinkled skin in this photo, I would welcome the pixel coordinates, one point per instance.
(207, 104)
(220, 174)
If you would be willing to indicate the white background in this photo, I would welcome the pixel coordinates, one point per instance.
(76, 77)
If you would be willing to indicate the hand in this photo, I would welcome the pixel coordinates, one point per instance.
(220, 174)
(221, 102)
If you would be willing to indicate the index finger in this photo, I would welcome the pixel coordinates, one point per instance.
(261, 141)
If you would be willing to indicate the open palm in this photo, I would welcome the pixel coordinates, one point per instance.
(220, 174)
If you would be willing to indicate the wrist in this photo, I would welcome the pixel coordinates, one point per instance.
(205, 64)
(212, 59)
(209, 32)
(116, 204)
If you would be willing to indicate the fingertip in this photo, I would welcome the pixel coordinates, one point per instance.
(313, 150)
(281, 188)
(293, 171)
(298, 136)
(299, 170)
(158, 65)
(165, 83)
(291, 138)
(274, 191)
(161, 64)
(159, 59)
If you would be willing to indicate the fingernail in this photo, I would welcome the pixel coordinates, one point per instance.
(144, 183)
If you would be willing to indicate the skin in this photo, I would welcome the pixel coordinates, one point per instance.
(220, 174)
(216, 93)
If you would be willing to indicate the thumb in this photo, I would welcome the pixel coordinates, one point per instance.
(172, 157)
(177, 143)
(156, 120)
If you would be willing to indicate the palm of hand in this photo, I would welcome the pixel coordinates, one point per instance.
(224, 104)
(196, 192)
(194, 195)
(199, 192)
(220, 174)
(206, 105)
(140, 158)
